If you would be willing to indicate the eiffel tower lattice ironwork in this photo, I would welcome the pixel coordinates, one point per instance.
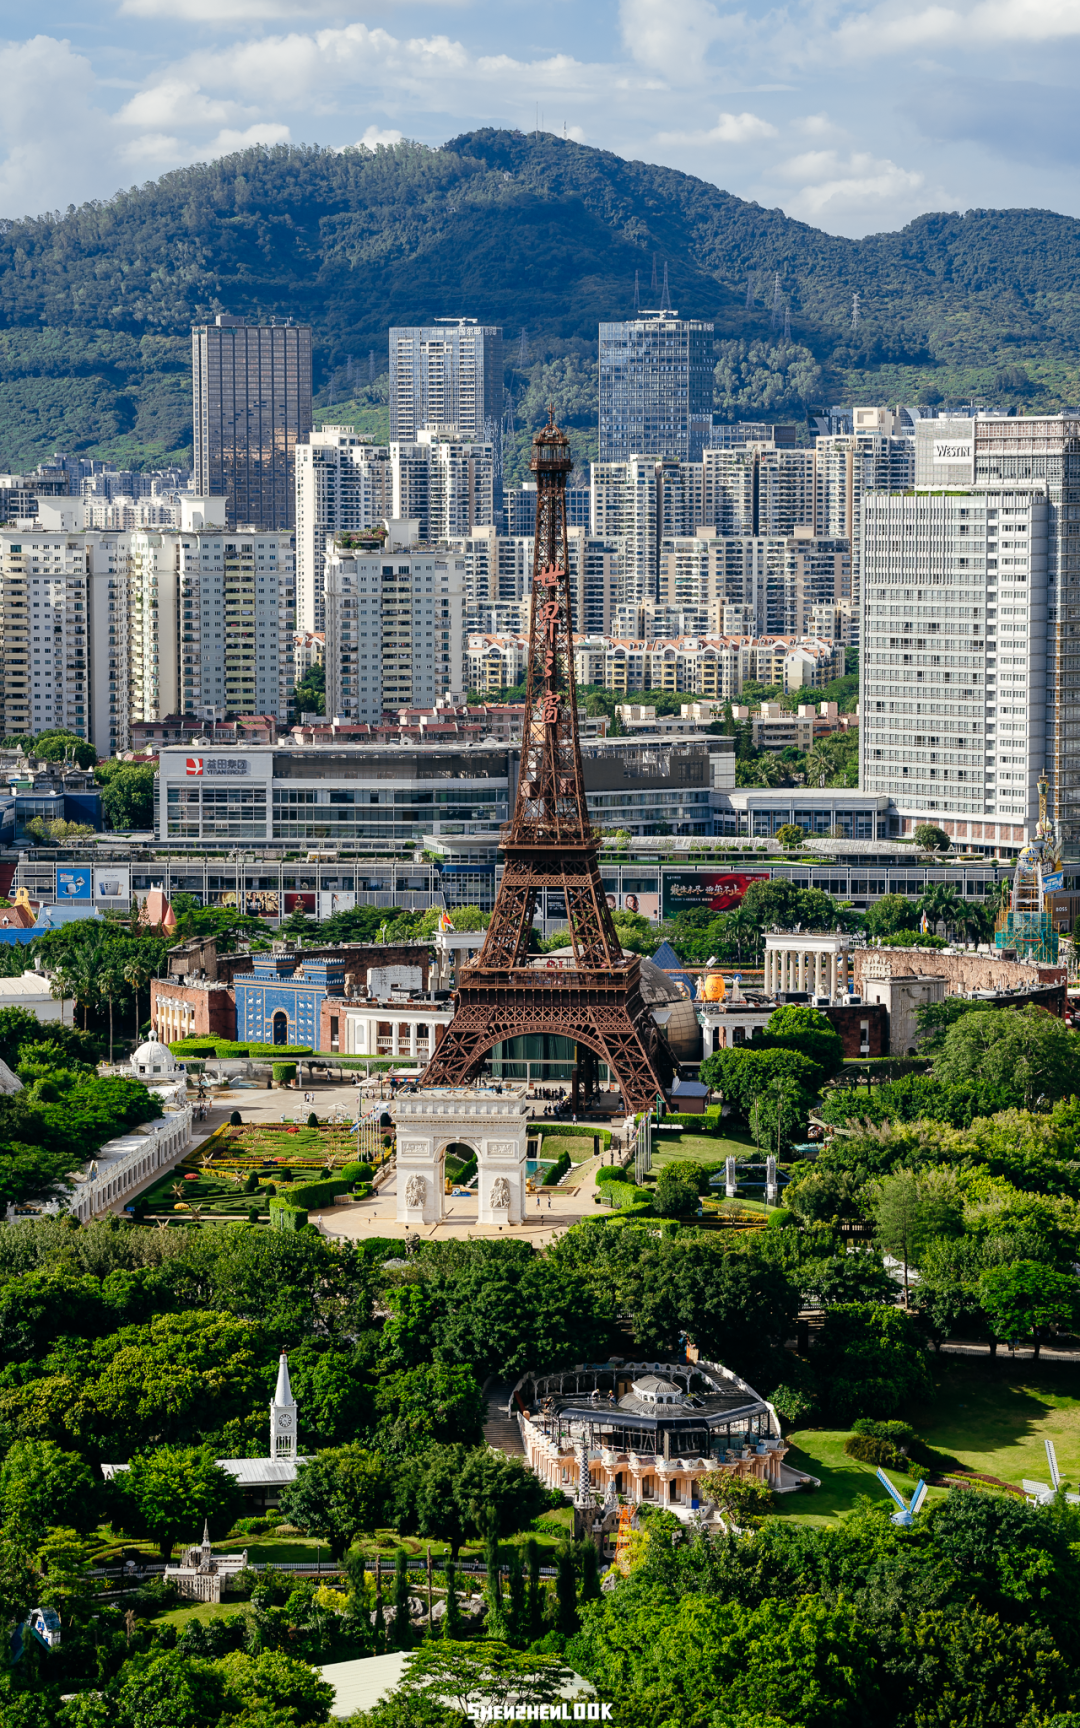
(595, 999)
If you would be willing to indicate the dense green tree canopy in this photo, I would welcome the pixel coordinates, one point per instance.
(169, 1493)
(1027, 1055)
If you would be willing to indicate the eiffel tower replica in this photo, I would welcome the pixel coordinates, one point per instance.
(596, 999)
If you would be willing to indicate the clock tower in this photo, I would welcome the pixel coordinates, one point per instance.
(283, 1416)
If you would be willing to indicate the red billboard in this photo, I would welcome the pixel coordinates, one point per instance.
(719, 891)
(300, 903)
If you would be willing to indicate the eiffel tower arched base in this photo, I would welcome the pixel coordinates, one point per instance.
(603, 1010)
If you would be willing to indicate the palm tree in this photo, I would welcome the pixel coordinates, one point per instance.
(112, 984)
(137, 972)
(941, 904)
(979, 920)
(743, 931)
(85, 963)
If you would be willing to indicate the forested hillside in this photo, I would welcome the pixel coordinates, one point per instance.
(533, 233)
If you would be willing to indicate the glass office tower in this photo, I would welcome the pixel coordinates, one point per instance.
(252, 401)
(656, 378)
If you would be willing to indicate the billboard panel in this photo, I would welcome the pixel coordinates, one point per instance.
(73, 883)
(300, 903)
(112, 885)
(333, 900)
(263, 903)
(719, 891)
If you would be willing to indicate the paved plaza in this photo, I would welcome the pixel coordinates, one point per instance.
(548, 1213)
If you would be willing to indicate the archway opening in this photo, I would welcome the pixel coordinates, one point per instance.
(460, 1170)
(281, 1027)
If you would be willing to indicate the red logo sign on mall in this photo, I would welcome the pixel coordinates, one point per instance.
(194, 765)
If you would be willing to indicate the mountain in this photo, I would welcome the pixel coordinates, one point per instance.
(531, 232)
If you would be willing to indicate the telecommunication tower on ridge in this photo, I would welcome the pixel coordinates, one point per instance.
(777, 302)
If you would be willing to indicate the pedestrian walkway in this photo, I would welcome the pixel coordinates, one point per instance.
(501, 1430)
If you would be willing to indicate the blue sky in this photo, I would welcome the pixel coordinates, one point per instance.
(855, 118)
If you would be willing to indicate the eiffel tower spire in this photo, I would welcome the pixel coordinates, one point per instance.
(596, 1000)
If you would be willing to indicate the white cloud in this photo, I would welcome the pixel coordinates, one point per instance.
(836, 190)
(175, 102)
(884, 31)
(729, 129)
(53, 141)
(376, 135)
(674, 38)
(161, 151)
(817, 126)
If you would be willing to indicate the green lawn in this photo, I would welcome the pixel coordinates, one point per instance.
(553, 1146)
(995, 1417)
(992, 1418)
(820, 1452)
(686, 1146)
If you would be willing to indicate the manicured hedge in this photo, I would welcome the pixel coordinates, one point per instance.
(285, 1216)
(609, 1173)
(621, 1194)
(316, 1194)
(226, 1049)
(558, 1170)
(706, 1121)
(283, 1072)
(569, 1131)
(355, 1172)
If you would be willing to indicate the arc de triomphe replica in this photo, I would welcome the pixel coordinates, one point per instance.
(496, 1129)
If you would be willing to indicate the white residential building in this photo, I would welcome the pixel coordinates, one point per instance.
(395, 625)
(449, 373)
(496, 662)
(212, 617)
(846, 468)
(64, 628)
(343, 484)
(626, 510)
(955, 674)
(756, 584)
(444, 480)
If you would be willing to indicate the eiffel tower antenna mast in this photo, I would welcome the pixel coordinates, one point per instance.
(596, 998)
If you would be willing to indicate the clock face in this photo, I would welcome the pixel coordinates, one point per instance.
(284, 1421)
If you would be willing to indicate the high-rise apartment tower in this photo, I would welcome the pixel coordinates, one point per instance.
(252, 402)
(449, 373)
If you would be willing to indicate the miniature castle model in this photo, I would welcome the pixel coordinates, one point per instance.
(201, 1574)
(645, 1433)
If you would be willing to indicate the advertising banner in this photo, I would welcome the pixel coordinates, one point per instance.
(335, 900)
(1054, 884)
(646, 905)
(73, 883)
(720, 892)
(112, 885)
(263, 903)
(300, 903)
